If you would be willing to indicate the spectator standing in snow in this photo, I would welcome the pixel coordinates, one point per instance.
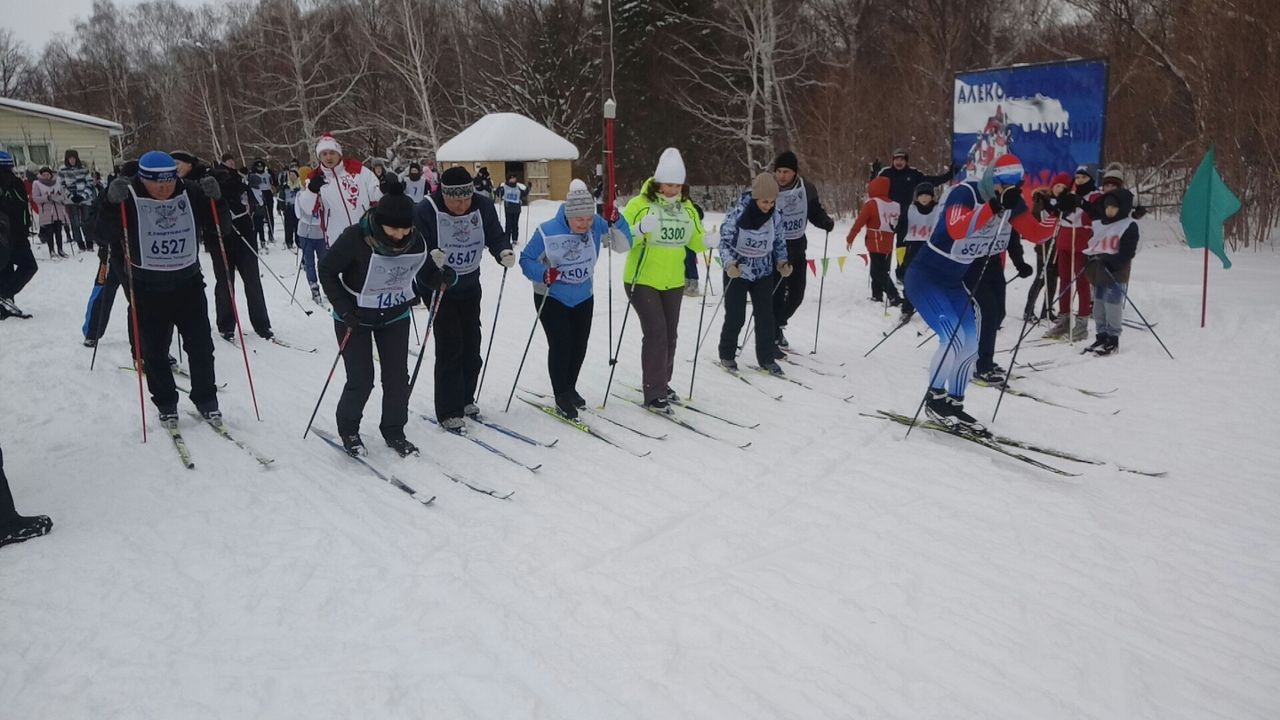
(903, 178)
(880, 217)
(73, 176)
(47, 195)
(17, 262)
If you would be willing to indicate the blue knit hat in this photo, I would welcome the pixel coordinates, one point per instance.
(156, 165)
(6, 160)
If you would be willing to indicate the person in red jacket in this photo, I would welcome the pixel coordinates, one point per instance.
(1075, 228)
(879, 216)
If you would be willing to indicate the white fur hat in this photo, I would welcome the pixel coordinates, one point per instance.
(327, 142)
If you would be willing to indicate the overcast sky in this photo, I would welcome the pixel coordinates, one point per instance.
(35, 21)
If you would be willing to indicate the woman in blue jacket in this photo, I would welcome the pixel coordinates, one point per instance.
(560, 259)
(753, 246)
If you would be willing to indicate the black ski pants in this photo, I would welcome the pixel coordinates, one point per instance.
(17, 264)
(457, 370)
(568, 330)
(393, 361)
(511, 228)
(790, 293)
(736, 291)
(985, 280)
(187, 310)
(1046, 279)
(881, 283)
(242, 260)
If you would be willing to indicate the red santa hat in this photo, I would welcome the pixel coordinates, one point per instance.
(327, 142)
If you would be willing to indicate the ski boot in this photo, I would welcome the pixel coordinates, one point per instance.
(229, 336)
(455, 425)
(90, 342)
(949, 411)
(579, 402)
(1081, 329)
(403, 447)
(315, 295)
(266, 334)
(782, 339)
(566, 405)
(671, 395)
(1099, 341)
(729, 364)
(1111, 347)
(773, 368)
(472, 411)
(1059, 329)
(658, 405)
(990, 378)
(354, 445)
(169, 418)
(212, 415)
(22, 528)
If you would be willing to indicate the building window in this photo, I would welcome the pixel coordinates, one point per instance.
(19, 154)
(39, 154)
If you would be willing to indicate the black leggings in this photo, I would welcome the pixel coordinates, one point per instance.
(568, 330)
(357, 359)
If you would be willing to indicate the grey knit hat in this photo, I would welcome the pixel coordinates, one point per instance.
(1114, 171)
(579, 202)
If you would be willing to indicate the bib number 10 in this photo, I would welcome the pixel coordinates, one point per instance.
(168, 247)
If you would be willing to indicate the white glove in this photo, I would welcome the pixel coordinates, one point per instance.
(732, 270)
(507, 258)
(648, 224)
(711, 241)
(438, 257)
(616, 240)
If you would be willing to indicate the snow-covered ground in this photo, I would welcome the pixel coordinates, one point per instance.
(833, 569)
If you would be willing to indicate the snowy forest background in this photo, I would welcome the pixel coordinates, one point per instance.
(730, 82)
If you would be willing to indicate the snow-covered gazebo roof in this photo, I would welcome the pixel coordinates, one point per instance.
(506, 137)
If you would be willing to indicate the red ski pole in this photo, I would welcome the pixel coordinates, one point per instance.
(133, 318)
(235, 312)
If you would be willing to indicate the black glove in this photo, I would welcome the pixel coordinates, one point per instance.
(118, 190)
(448, 278)
(828, 226)
(1010, 198)
(1138, 213)
(1024, 269)
(316, 181)
(352, 321)
(210, 187)
(1068, 202)
(103, 254)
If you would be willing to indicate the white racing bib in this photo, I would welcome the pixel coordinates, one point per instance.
(461, 238)
(793, 208)
(675, 227)
(1106, 238)
(573, 255)
(920, 225)
(889, 212)
(983, 241)
(166, 233)
(389, 281)
(511, 194)
(754, 243)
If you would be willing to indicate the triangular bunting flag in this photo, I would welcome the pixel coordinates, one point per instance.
(826, 264)
(865, 261)
(840, 261)
(813, 267)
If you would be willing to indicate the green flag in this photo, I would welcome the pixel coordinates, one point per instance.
(1207, 204)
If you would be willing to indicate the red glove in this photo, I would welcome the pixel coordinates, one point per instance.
(550, 276)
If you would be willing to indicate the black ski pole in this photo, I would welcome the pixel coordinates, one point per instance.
(697, 347)
(613, 361)
(1140, 315)
(426, 335)
(525, 354)
(822, 283)
(341, 347)
(484, 367)
(272, 273)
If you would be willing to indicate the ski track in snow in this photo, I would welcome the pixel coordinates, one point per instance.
(832, 570)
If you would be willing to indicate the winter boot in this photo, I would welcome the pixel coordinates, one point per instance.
(169, 417)
(773, 368)
(729, 364)
(472, 411)
(950, 412)
(658, 405)
(671, 395)
(403, 447)
(691, 288)
(1111, 347)
(578, 401)
(455, 425)
(266, 334)
(566, 405)
(1059, 329)
(1099, 340)
(354, 445)
(1081, 329)
(8, 305)
(315, 295)
(90, 342)
(21, 528)
(936, 406)
(782, 339)
(994, 377)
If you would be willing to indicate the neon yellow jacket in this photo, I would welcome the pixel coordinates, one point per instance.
(663, 267)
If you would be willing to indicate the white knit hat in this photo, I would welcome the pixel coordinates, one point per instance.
(670, 168)
(579, 201)
(327, 142)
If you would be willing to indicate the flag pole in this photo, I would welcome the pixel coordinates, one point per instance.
(1204, 291)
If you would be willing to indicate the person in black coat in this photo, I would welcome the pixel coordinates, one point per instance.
(798, 205)
(17, 262)
(903, 180)
(373, 276)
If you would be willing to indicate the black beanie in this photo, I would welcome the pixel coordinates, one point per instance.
(922, 188)
(394, 210)
(787, 159)
(456, 176)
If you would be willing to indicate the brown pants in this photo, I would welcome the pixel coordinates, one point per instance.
(659, 314)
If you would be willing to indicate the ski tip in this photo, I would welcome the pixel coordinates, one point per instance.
(744, 446)
(534, 468)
